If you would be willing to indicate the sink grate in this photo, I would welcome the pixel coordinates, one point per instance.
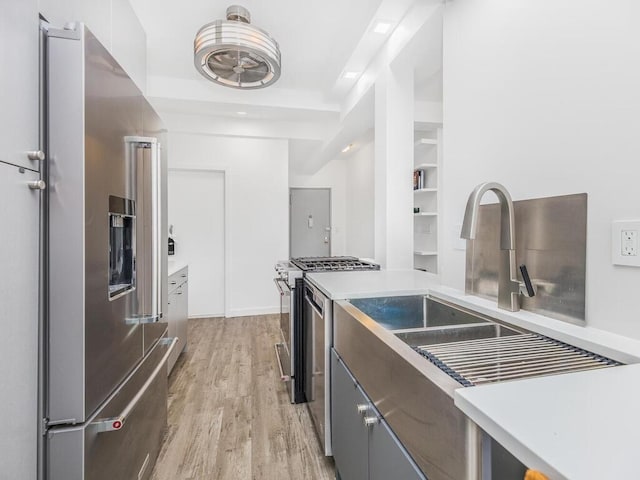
(489, 360)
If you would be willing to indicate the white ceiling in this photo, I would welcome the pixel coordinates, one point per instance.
(316, 38)
(319, 40)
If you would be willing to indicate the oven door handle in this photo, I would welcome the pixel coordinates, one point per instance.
(283, 376)
(278, 282)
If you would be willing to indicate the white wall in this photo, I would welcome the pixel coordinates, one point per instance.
(113, 22)
(545, 97)
(332, 175)
(394, 107)
(196, 210)
(359, 235)
(257, 181)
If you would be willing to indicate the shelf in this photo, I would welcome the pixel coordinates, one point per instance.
(424, 166)
(425, 190)
(427, 163)
(426, 141)
(425, 214)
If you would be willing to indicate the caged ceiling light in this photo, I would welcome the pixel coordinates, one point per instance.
(236, 54)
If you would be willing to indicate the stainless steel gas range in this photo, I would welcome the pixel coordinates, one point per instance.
(301, 354)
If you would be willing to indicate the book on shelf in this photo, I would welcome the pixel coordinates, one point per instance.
(419, 179)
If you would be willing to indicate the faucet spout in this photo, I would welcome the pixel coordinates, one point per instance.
(508, 284)
(507, 219)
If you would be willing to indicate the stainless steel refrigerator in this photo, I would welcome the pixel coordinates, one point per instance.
(106, 387)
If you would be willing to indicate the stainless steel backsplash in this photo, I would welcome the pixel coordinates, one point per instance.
(551, 240)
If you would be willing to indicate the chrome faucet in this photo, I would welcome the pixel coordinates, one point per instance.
(509, 287)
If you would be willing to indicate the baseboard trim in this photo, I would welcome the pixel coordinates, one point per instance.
(209, 315)
(246, 312)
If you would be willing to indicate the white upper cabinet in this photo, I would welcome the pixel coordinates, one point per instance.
(19, 83)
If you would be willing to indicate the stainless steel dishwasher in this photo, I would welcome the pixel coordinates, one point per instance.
(317, 327)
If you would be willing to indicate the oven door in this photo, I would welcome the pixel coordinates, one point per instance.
(284, 353)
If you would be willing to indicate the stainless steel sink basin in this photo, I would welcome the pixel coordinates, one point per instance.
(430, 336)
(413, 311)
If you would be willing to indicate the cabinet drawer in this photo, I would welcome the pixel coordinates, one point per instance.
(177, 279)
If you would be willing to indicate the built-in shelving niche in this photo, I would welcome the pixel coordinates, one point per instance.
(426, 191)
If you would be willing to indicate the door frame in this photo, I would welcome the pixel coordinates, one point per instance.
(227, 221)
(330, 214)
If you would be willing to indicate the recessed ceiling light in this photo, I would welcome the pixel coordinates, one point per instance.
(350, 75)
(382, 27)
(241, 113)
(347, 148)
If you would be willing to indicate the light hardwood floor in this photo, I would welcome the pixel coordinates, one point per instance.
(229, 414)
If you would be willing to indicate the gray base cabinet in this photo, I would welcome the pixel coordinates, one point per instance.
(348, 432)
(178, 312)
(364, 447)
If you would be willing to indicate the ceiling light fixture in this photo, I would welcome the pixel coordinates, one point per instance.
(347, 148)
(241, 113)
(382, 27)
(236, 54)
(350, 75)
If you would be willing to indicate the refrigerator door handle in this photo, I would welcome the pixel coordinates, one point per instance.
(143, 319)
(116, 423)
(155, 289)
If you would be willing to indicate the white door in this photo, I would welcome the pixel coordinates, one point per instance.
(196, 211)
(310, 222)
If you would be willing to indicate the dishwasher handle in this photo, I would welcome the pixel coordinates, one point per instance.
(284, 377)
(113, 424)
(311, 300)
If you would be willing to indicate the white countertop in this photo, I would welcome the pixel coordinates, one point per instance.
(580, 426)
(174, 266)
(380, 283)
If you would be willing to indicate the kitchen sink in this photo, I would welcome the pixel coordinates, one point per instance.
(430, 336)
(411, 375)
(413, 311)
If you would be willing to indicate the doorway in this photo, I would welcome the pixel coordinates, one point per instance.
(309, 222)
(197, 213)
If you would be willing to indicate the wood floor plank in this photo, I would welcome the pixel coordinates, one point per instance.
(229, 414)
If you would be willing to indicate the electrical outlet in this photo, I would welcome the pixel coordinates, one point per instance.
(624, 243)
(629, 243)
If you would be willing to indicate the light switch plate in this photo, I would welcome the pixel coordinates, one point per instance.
(625, 237)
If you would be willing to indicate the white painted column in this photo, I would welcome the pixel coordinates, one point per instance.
(394, 106)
